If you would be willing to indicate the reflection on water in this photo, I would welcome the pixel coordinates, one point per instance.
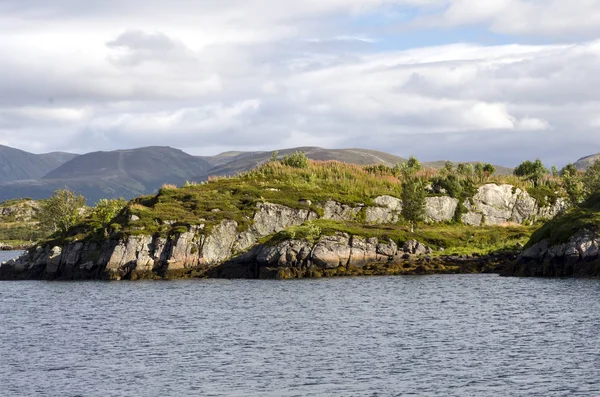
(463, 335)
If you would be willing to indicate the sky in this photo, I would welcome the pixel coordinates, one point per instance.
(499, 81)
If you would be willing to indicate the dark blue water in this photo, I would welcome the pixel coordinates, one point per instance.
(463, 335)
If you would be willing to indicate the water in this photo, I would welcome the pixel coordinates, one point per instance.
(451, 335)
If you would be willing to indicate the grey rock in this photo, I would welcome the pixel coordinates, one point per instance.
(332, 251)
(273, 218)
(440, 209)
(414, 247)
(335, 211)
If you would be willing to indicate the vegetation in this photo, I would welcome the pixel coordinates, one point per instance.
(296, 160)
(532, 171)
(106, 210)
(61, 211)
(578, 218)
(413, 201)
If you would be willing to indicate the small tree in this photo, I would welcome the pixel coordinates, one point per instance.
(465, 169)
(532, 171)
(61, 211)
(573, 184)
(489, 170)
(274, 156)
(296, 160)
(449, 167)
(105, 210)
(413, 201)
(411, 166)
(479, 171)
(591, 179)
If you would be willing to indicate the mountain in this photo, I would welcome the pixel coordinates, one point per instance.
(120, 173)
(17, 164)
(585, 162)
(245, 161)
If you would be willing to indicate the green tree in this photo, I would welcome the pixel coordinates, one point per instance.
(591, 179)
(531, 171)
(573, 184)
(489, 170)
(413, 201)
(479, 171)
(105, 210)
(411, 166)
(274, 156)
(61, 211)
(296, 160)
(465, 169)
(449, 167)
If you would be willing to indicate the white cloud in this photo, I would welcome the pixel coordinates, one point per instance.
(262, 74)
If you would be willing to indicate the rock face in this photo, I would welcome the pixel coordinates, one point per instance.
(340, 212)
(579, 256)
(144, 256)
(301, 258)
(387, 210)
(440, 209)
(497, 204)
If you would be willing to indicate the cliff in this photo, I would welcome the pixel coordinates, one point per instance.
(330, 219)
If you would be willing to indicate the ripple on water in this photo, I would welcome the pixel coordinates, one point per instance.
(460, 335)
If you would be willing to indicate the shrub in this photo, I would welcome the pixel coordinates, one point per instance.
(296, 160)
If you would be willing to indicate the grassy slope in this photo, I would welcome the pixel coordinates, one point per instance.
(174, 209)
(15, 229)
(560, 229)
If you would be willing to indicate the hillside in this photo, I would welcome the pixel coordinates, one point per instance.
(17, 164)
(585, 162)
(19, 224)
(245, 161)
(121, 173)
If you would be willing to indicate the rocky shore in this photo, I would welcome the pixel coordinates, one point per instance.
(578, 257)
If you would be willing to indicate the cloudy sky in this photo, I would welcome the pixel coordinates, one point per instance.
(493, 80)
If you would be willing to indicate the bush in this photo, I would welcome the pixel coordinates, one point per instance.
(296, 160)
(61, 211)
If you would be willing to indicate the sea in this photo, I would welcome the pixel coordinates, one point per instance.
(440, 335)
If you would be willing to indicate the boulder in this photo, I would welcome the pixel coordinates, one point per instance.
(440, 209)
(414, 247)
(335, 211)
(273, 218)
(332, 251)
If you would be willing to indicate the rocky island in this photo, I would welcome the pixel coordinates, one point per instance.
(287, 221)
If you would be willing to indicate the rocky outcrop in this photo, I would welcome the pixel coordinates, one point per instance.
(23, 211)
(497, 204)
(335, 211)
(328, 255)
(440, 209)
(387, 210)
(579, 256)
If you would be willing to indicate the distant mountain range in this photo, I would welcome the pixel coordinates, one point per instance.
(134, 172)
